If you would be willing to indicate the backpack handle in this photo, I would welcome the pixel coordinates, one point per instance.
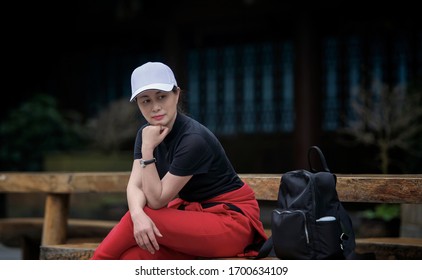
(321, 157)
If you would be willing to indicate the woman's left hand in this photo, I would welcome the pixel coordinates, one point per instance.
(145, 233)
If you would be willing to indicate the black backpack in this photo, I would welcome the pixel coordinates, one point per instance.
(310, 222)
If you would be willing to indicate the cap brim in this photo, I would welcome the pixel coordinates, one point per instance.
(163, 87)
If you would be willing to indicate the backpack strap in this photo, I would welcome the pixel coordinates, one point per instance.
(267, 249)
(348, 236)
(321, 157)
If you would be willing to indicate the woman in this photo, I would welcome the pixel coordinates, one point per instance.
(185, 199)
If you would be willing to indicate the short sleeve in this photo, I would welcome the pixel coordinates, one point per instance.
(137, 154)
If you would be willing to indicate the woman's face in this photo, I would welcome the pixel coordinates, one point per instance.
(159, 107)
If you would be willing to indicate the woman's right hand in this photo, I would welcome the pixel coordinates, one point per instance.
(145, 233)
(152, 136)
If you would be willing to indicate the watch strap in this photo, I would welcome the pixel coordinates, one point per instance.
(144, 163)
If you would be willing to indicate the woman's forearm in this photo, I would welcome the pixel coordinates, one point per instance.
(136, 200)
(151, 183)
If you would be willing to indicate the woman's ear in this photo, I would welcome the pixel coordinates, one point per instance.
(177, 91)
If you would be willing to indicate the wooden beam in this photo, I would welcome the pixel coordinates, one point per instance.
(351, 188)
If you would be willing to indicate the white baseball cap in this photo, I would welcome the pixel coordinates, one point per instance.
(152, 75)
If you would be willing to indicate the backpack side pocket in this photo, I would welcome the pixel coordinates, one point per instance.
(328, 238)
(290, 234)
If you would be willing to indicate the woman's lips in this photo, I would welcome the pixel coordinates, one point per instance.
(158, 118)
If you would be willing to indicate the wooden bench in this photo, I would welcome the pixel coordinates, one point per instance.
(55, 227)
(400, 189)
(26, 233)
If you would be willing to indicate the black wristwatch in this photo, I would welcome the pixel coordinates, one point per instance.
(144, 163)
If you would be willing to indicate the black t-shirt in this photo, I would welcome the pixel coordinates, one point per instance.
(192, 149)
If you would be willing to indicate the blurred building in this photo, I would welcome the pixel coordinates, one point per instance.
(269, 78)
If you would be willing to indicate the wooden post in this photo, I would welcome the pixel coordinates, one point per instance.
(307, 89)
(55, 219)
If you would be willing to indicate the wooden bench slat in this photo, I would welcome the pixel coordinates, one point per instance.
(380, 189)
(383, 248)
(84, 251)
(81, 251)
(351, 188)
(389, 248)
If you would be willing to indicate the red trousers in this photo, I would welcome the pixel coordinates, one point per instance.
(193, 232)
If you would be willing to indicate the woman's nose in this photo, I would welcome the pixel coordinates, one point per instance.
(156, 107)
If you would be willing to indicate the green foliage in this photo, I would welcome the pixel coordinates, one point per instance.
(36, 127)
(386, 212)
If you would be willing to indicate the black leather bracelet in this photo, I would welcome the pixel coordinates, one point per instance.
(144, 163)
